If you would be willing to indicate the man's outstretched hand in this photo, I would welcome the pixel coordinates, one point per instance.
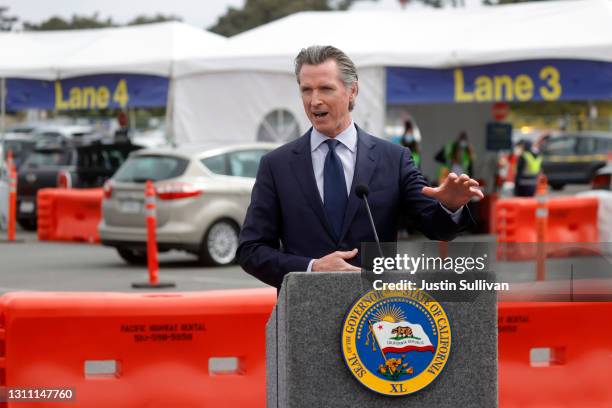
(455, 191)
(335, 262)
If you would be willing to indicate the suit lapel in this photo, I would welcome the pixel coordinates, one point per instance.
(304, 174)
(364, 169)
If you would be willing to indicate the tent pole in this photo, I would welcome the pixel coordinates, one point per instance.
(132, 120)
(170, 112)
(2, 106)
(2, 119)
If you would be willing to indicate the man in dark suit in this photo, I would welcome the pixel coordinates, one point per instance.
(304, 214)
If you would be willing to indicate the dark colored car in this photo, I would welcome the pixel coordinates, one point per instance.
(575, 158)
(20, 144)
(67, 166)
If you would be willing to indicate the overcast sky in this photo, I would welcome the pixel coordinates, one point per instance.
(202, 13)
(199, 13)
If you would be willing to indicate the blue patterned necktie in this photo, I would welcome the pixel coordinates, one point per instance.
(334, 188)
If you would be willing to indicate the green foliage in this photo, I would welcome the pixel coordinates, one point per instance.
(158, 18)
(94, 21)
(259, 12)
(75, 23)
(516, 1)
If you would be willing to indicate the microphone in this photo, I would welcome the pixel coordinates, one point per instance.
(362, 192)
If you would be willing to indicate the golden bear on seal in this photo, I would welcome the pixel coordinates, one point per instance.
(404, 331)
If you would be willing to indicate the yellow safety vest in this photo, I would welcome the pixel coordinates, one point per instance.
(533, 164)
(416, 157)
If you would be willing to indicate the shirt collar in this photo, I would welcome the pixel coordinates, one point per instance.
(348, 137)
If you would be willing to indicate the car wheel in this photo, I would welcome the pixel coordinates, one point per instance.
(27, 224)
(220, 244)
(133, 256)
(557, 186)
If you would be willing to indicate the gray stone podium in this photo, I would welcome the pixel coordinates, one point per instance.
(304, 362)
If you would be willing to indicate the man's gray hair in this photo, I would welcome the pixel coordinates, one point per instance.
(318, 54)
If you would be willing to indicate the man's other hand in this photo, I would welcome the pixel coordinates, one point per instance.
(455, 191)
(336, 261)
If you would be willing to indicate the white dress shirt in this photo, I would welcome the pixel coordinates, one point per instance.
(346, 151)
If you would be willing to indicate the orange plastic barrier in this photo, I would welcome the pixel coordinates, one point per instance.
(555, 355)
(571, 219)
(69, 214)
(138, 350)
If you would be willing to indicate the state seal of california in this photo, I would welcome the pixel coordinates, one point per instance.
(396, 342)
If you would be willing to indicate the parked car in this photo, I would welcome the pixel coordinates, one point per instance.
(201, 196)
(54, 135)
(65, 166)
(23, 128)
(575, 158)
(21, 144)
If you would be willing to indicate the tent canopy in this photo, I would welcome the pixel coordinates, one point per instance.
(426, 38)
(150, 49)
(429, 38)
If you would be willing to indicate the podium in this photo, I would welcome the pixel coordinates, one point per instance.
(305, 366)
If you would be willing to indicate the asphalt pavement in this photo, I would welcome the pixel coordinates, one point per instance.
(57, 266)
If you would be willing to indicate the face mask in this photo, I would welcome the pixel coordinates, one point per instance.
(463, 144)
(408, 138)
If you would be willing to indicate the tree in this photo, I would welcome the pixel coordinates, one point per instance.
(80, 22)
(158, 18)
(77, 22)
(6, 22)
(258, 12)
(498, 2)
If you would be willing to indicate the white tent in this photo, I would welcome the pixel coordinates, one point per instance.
(433, 38)
(234, 93)
(152, 49)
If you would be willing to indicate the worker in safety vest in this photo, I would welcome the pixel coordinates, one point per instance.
(528, 168)
(409, 140)
(456, 156)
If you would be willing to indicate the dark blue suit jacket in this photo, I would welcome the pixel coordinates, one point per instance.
(286, 225)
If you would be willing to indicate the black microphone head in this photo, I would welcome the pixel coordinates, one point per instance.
(361, 191)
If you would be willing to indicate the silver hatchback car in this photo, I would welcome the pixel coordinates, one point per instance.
(202, 196)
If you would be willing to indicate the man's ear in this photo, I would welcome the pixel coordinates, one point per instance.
(354, 91)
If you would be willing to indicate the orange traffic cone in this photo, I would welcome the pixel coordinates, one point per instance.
(152, 261)
(541, 225)
(12, 200)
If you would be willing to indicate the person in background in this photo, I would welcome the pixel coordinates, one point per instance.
(456, 153)
(408, 140)
(465, 154)
(122, 135)
(541, 142)
(528, 168)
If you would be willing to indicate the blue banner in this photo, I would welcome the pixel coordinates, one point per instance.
(88, 93)
(522, 81)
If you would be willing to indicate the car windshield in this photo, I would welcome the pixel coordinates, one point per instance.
(22, 129)
(18, 146)
(151, 167)
(561, 146)
(48, 158)
(103, 157)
